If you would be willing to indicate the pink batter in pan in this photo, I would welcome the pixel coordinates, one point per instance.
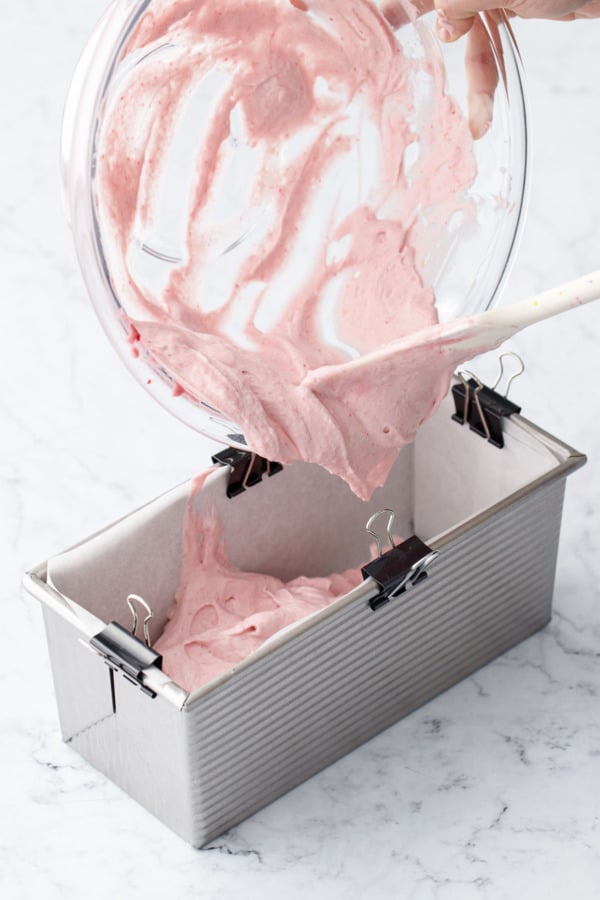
(221, 615)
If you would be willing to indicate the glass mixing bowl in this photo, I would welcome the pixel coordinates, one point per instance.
(465, 262)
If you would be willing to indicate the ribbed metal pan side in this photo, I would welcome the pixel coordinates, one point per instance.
(336, 685)
(441, 627)
(370, 700)
(136, 741)
(340, 624)
(368, 713)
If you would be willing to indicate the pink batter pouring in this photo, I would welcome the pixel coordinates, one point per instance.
(255, 291)
(221, 615)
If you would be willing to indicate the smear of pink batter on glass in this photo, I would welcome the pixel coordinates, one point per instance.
(222, 615)
(328, 226)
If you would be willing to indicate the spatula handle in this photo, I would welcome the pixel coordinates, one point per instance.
(549, 303)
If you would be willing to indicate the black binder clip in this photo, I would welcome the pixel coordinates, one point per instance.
(483, 408)
(123, 652)
(402, 567)
(247, 469)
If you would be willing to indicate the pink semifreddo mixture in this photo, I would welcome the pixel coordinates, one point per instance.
(222, 615)
(269, 182)
(267, 189)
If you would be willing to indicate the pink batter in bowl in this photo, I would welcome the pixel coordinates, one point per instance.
(262, 191)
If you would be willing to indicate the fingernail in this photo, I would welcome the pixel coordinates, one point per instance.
(481, 108)
(443, 33)
(445, 29)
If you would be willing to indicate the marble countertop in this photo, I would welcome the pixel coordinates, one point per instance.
(492, 790)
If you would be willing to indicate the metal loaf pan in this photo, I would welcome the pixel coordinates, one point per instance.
(202, 762)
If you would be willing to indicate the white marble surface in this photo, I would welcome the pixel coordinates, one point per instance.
(491, 791)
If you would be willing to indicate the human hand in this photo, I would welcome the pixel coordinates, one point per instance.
(456, 17)
(480, 61)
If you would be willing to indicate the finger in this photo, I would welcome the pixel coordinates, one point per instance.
(455, 10)
(455, 17)
(449, 30)
(482, 78)
(589, 10)
(395, 13)
(492, 21)
(400, 13)
(421, 6)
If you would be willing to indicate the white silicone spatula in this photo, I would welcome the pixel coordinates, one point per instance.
(500, 324)
(420, 364)
(488, 329)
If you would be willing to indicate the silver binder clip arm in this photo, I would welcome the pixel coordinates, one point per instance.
(146, 625)
(476, 399)
(516, 374)
(388, 529)
(482, 408)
